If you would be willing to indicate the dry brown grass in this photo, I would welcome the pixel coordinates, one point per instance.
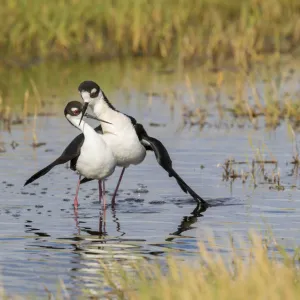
(256, 274)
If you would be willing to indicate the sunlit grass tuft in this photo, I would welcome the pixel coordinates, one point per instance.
(257, 274)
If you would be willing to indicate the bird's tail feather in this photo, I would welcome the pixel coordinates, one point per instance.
(40, 173)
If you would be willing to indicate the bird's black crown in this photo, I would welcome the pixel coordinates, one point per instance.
(73, 108)
(91, 87)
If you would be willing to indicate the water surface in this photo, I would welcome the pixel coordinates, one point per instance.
(43, 241)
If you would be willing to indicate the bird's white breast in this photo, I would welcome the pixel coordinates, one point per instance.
(96, 160)
(121, 137)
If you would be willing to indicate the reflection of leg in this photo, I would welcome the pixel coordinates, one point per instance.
(100, 190)
(100, 223)
(117, 187)
(102, 220)
(76, 219)
(103, 184)
(76, 195)
(116, 220)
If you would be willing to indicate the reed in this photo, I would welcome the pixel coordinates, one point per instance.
(210, 30)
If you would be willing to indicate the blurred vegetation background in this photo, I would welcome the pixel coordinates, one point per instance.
(213, 30)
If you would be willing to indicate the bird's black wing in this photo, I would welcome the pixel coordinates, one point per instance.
(164, 159)
(71, 153)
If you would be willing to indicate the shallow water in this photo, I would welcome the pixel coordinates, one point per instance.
(42, 241)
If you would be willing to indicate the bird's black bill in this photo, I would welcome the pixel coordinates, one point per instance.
(94, 118)
(84, 108)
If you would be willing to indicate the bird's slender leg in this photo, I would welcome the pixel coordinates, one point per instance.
(102, 220)
(117, 187)
(76, 195)
(103, 195)
(103, 186)
(100, 190)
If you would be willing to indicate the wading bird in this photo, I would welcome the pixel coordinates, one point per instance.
(88, 153)
(127, 138)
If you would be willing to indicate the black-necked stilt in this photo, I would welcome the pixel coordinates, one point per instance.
(127, 138)
(88, 153)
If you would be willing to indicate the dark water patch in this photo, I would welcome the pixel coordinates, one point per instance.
(157, 202)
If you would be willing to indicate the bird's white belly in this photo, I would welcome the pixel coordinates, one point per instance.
(95, 163)
(127, 151)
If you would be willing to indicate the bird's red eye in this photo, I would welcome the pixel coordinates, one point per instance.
(75, 111)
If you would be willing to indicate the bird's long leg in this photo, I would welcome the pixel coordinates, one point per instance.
(117, 187)
(100, 190)
(76, 195)
(103, 195)
(102, 220)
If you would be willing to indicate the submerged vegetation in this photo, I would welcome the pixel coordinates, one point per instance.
(248, 105)
(210, 30)
(263, 271)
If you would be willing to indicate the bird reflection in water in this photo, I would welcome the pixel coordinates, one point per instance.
(101, 232)
(184, 225)
(187, 222)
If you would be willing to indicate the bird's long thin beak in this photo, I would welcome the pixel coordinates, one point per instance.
(94, 118)
(85, 106)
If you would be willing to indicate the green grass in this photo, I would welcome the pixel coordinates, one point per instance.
(213, 30)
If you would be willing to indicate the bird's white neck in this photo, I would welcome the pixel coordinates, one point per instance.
(119, 122)
(103, 111)
(101, 108)
(84, 127)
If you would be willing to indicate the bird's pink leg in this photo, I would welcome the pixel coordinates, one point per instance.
(117, 187)
(100, 190)
(76, 195)
(103, 195)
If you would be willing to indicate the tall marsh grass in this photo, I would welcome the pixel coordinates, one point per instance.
(258, 275)
(213, 30)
